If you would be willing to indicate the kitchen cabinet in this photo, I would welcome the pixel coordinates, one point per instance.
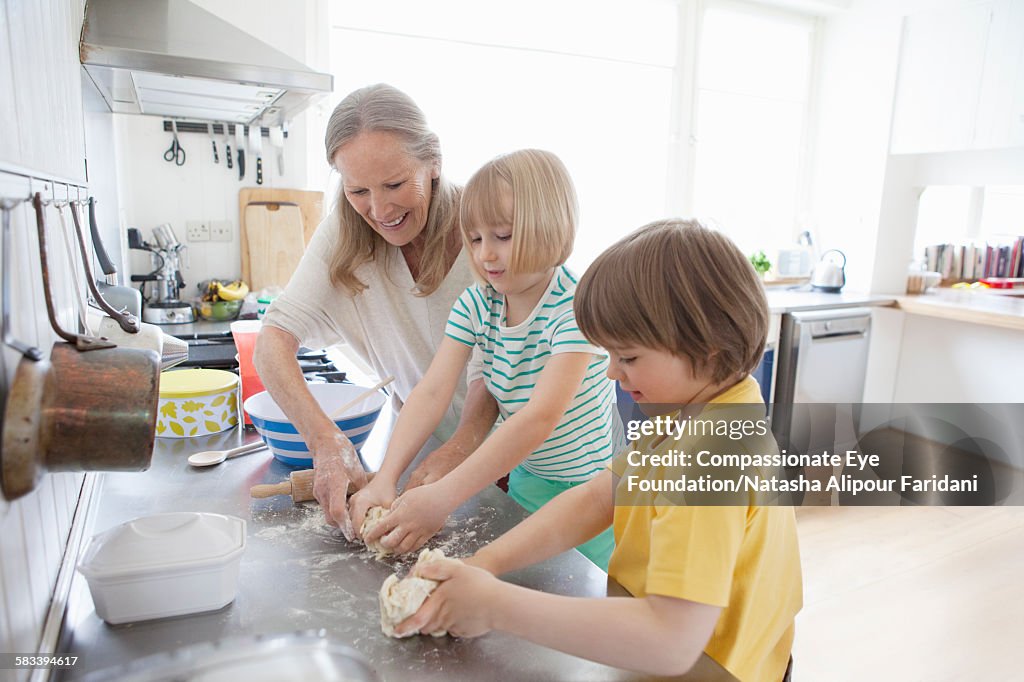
(961, 79)
(1001, 100)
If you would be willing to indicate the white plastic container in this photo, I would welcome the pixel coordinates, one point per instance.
(164, 565)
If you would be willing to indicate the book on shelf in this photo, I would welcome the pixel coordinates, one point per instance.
(972, 261)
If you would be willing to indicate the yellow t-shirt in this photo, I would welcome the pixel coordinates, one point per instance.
(742, 558)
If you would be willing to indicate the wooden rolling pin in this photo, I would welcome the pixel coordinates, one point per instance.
(299, 485)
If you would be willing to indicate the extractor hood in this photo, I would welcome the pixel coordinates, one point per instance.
(172, 58)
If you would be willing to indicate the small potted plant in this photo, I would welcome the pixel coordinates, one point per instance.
(761, 263)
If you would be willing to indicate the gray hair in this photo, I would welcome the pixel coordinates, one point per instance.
(382, 107)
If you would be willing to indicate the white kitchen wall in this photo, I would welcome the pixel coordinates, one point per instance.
(856, 82)
(853, 171)
(153, 191)
(40, 99)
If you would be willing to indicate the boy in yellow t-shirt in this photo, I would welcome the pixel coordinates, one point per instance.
(684, 318)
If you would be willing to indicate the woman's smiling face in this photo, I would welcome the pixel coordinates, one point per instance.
(390, 189)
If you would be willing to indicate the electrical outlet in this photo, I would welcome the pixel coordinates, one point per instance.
(220, 231)
(197, 231)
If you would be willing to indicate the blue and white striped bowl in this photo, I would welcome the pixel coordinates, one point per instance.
(284, 440)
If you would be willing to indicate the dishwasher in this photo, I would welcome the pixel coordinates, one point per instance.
(819, 382)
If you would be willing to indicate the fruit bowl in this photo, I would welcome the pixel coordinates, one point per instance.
(219, 310)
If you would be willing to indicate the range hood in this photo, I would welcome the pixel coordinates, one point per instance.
(174, 59)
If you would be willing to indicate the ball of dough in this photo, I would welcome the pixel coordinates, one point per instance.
(400, 599)
(374, 515)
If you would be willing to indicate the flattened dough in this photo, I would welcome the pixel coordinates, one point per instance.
(400, 599)
(374, 515)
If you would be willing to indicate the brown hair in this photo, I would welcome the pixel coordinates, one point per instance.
(543, 202)
(677, 286)
(385, 108)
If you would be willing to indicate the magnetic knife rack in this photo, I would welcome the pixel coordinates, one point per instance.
(218, 128)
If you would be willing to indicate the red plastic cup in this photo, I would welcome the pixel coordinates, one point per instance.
(244, 333)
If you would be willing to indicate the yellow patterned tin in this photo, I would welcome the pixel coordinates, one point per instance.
(196, 402)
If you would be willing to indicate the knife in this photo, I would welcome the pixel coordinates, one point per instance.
(240, 143)
(213, 141)
(277, 142)
(256, 149)
(227, 146)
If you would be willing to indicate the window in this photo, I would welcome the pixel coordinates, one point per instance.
(589, 81)
(600, 83)
(962, 231)
(753, 84)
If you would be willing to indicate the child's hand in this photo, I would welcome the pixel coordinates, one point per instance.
(415, 517)
(458, 605)
(377, 493)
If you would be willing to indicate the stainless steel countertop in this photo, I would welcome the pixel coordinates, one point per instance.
(297, 574)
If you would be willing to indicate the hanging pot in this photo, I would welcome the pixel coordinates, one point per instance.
(92, 411)
(77, 411)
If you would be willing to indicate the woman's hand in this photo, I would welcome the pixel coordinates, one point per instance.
(415, 517)
(335, 467)
(377, 493)
(460, 604)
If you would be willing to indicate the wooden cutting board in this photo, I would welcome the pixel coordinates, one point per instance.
(311, 206)
(273, 243)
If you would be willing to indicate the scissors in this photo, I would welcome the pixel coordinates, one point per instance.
(175, 152)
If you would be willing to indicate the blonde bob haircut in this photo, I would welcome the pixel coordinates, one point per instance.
(676, 286)
(537, 187)
(383, 107)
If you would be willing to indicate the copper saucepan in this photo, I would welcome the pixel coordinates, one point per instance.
(90, 407)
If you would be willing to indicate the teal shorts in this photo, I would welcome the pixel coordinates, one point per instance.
(533, 492)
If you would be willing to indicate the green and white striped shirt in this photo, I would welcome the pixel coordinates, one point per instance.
(513, 358)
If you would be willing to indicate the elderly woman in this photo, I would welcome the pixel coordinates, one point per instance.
(380, 274)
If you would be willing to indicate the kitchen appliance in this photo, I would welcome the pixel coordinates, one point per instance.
(796, 261)
(216, 350)
(829, 275)
(162, 306)
(172, 58)
(164, 565)
(822, 363)
(172, 351)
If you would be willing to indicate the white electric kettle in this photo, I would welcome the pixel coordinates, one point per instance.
(829, 275)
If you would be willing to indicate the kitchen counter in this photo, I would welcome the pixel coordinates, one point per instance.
(298, 574)
(965, 305)
(782, 300)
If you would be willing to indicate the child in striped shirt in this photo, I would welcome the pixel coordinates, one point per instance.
(560, 426)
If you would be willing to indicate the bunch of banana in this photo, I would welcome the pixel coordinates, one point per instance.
(215, 290)
(235, 291)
